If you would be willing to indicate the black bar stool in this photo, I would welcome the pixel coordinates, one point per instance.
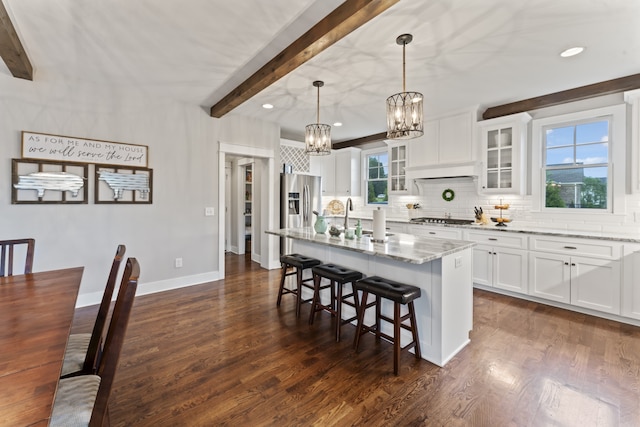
(400, 294)
(299, 263)
(336, 275)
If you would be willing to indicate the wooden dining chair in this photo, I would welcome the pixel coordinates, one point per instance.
(7, 258)
(83, 350)
(83, 400)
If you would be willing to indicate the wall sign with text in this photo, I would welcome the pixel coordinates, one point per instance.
(69, 149)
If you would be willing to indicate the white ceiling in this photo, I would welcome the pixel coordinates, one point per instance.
(464, 52)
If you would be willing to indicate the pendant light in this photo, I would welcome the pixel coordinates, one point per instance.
(317, 137)
(404, 109)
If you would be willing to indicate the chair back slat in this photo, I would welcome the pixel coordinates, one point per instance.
(7, 255)
(114, 340)
(93, 351)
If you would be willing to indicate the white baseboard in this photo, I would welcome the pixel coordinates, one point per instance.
(94, 298)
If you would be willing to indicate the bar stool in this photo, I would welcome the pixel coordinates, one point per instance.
(400, 294)
(299, 263)
(336, 275)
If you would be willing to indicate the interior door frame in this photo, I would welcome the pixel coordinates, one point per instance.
(267, 188)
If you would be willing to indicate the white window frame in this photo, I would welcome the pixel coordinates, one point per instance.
(617, 164)
(365, 174)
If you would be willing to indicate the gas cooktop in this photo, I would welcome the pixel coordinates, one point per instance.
(427, 220)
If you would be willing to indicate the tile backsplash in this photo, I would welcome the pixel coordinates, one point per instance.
(467, 197)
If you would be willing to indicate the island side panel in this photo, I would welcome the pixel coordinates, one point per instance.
(444, 311)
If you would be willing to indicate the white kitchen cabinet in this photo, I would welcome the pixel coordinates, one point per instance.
(340, 172)
(447, 140)
(581, 272)
(435, 231)
(500, 260)
(633, 98)
(396, 227)
(503, 142)
(398, 157)
(631, 282)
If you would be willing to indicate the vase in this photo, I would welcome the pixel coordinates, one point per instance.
(321, 225)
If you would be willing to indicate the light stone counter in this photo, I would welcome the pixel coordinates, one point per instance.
(515, 227)
(399, 246)
(441, 268)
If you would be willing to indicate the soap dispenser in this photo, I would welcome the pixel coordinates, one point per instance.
(358, 229)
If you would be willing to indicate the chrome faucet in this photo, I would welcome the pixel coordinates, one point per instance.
(348, 207)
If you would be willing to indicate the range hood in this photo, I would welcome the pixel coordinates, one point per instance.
(451, 170)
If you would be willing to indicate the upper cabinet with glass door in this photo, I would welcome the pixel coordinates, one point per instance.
(398, 162)
(503, 147)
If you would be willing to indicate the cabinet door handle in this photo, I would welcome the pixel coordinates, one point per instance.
(570, 247)
(566, 263)
(432, 232)
(492, 238)
(573, 264)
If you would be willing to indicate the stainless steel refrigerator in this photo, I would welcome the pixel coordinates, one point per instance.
(300, 195)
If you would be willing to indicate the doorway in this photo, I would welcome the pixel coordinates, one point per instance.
(264, 213)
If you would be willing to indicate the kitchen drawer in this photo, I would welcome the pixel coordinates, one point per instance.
(437, 231)
(506, 240)
(577, 247)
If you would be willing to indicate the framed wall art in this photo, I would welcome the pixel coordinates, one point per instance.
(118, 184)
(48, 182)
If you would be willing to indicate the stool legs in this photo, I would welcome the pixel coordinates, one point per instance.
(298, 290)
(335, 305)
(398, 324)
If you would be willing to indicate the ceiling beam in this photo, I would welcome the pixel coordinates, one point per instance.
(359, 141)
(349, 16)
(11, 49)
(583, 92)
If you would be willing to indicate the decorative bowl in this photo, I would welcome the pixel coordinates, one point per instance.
(494, 219)
(334, 231)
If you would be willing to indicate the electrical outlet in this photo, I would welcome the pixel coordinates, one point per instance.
(209, 212)
(178, 262)
(458, 262)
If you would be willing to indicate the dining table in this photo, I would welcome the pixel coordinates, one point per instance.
(36, 313)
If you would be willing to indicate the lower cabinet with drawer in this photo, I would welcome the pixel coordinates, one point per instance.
(435, 231)
(500, 260)
(565, 273)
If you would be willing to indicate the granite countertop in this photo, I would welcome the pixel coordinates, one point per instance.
(399, 246)
(528, 229)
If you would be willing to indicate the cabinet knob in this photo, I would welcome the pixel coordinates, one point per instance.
(573, 264)
(566, 263)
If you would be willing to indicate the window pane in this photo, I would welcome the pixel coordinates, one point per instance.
(560, 156)
(592, 132)
(560, 136)
(592, 154)
(584, 188)
(377, 192)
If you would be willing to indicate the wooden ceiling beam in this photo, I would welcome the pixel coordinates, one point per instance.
(359, 141)
(583, 92)
(349, 16)
(11, 49)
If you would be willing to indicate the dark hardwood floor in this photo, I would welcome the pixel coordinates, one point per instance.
(221, 353)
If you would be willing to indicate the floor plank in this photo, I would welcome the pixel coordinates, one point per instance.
(222, 354)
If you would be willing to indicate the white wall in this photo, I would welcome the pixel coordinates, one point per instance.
(183, 144)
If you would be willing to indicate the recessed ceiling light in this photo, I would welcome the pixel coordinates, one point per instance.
(337, 124)
(267, 106)
(572, 51)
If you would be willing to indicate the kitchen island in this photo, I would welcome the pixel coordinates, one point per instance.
(441, 268)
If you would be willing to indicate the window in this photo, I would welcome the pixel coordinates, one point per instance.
(376, 179)
(578, 162)
(576, 166)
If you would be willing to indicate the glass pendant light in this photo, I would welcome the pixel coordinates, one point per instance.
(317, 136)
(404, 110)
